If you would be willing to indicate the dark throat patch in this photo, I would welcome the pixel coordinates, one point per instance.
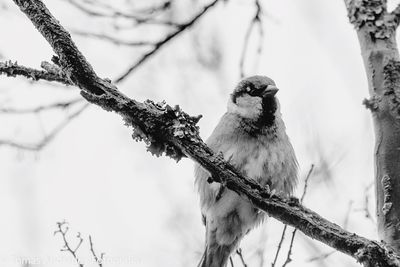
(269, 106)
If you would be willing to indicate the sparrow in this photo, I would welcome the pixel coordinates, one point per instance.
(250, 135)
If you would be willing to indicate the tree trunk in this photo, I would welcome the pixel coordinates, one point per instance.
(376, 30)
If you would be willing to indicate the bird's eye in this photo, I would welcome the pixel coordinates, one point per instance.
(248, 89)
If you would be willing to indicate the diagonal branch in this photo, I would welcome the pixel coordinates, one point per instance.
(161, 43)
(173, 132)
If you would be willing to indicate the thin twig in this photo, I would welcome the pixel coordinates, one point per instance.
(239, 252)
(62, 228)
(111, 39)
(98, 260)
(114, 13)
(166, 40)
(288, 257)
(50, 73)
(306, 183)
(13, 69)
(289, 254)
(365, 208)
(42, 143)
(155, 9)
(322, 256)
(58, 105)
(256, 20)
(279, 246)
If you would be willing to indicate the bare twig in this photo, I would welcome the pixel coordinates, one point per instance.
(112, 39)
(51, 73)
(99, 260)
(347, 217)
(58, 105)
(322, 257)
(306, 183)
(62, 229)
(13, 69)
(288, 259)
(166, 40)
(365, 208)
(48, 138)
(289, 254)
(255, 21)
(155, 9)
(279, 246)
(240, 254)
(111, 12)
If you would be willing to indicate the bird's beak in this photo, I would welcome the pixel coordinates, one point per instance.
(271, 90)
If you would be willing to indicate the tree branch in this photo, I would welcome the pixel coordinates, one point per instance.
(256, 20)
(114, 13)
(376, 31)
(98, 260)
(62, 229)
(289, 253)
(160, 44)
(13, 69)
(49, 137)
(112, 39)
(58, 105)
(173, 132)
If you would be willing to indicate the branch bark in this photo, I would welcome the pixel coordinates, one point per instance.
(376, 30)
(171, 131)
(13, 69)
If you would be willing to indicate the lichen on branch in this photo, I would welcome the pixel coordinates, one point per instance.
(12, 69)
(391, 73)
(372, 16)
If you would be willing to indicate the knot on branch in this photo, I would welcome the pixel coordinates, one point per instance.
(391, 73)
(372, 15)
(372, 103)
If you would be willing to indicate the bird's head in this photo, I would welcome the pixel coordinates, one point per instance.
(254, 99)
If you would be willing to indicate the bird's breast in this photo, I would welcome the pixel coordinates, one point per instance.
(269, 162)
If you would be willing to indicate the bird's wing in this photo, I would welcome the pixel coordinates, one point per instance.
(219, 142)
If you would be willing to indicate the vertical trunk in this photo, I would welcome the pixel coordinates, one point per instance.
(376, 34)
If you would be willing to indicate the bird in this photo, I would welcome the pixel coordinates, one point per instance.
(251, 136)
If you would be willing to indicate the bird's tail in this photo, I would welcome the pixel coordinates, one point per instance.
(216, 255)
